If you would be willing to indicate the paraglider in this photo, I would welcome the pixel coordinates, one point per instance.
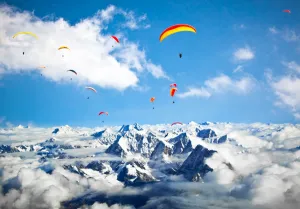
(116, 39)
(100, 113)
(176, 123)
(25, 33)
(287, 11)
(152, 99)
(73, 71)
(92, 89)
(175, 29)
(180, 55)
(63, 47)
(172, 92)
(173, 85)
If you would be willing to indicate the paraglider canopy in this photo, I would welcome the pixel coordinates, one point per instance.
(91, 88)
(73, 71)
(152, 99)
(172, 91)
(176, 123)
(63, 47)
(175, 29)
(116, 39)
(173, 85)
(100, 113)
(27, 33)
(287, 11)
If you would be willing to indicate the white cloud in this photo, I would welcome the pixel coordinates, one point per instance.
(239, 68)
(224, 83)
(290, 35)
(273, 30)
(287, 88)
(195, 92)
(292, 66)
(133, 22)
(243, 54)
(221, 84)
(105, 206)
(91, 54)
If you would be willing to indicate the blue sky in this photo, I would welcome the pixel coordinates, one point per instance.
(268, 41)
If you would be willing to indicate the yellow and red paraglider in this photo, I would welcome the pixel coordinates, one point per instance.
(175, 29)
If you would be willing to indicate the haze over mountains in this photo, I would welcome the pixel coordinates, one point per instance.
(195, 165)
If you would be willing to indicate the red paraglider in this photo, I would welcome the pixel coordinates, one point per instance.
(287, 11)
(116, 39)
(100, 113)
(176, 123)
(173, 85)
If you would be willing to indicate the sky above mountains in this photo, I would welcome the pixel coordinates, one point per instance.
(242, 65)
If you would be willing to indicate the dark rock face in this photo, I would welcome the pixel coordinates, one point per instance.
(194, 167)
(206, 133)
(135, 173)
(182, 144)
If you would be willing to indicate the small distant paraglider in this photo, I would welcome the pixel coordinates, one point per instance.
(25, 33)
(173, 85)
(180, 55)
(63, 47)
(287, 11)
(101, 113)
(92, 89)
(172, 92)
(73, 71)
(116, 39)
(176, 123)
(152, 99)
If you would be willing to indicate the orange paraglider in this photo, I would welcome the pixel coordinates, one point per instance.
(152, 99)
(172, 92)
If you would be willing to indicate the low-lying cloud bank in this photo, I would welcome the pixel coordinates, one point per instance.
(258, 168)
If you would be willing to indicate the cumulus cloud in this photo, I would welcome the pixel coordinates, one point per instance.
(292, 66)
(243, 54)
(221, 84)
(194, 92)
(95, 56)
(287, 88)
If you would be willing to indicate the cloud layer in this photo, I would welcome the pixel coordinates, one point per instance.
(96, 57)
(287, 87)
(221, 84)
